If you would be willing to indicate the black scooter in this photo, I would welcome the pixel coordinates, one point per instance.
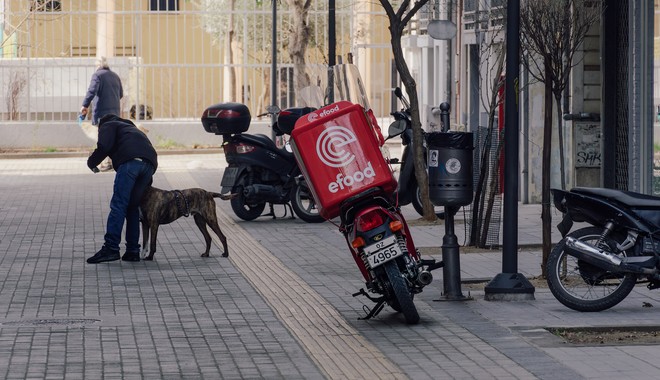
(408, 188)
(596, 267)
(258, 170)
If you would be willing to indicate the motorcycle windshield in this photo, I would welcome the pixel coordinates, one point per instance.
(345, 83)
(340, 82)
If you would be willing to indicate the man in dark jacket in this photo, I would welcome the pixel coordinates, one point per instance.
(105, 90)
(135, 161)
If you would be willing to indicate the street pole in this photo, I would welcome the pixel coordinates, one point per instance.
(273, 69)
(332, 34)
(332, 48)
(510, 285)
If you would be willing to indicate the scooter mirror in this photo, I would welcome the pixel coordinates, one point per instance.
(273, 109)
(396, 128)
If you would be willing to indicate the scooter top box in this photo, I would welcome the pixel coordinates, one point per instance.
(287, 118)
(226, 118)
(338, 152)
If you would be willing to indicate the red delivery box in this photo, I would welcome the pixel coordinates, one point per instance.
(339, 155)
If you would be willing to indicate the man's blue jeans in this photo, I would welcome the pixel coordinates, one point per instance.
(132, 179)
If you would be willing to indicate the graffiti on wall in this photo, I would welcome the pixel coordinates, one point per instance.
(587, 145)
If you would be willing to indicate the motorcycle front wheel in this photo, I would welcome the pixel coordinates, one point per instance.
(241, 207)
(402, 298)
(303, 204)
(417, 199)
(417, 202)
(582, 286)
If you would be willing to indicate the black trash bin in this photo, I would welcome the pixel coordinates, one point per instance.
(450, 168)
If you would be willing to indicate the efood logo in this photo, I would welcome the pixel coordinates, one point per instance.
(330, 146)
(313, 115)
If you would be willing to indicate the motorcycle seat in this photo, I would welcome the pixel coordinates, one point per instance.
(261, 139)
(634, 200)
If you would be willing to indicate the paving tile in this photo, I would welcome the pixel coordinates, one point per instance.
(279, 308)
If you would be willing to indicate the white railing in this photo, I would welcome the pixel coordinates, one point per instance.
(176, 62)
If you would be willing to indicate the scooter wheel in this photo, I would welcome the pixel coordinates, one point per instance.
(401, 296)
(303, 204)
(243, 209)
(246, 211)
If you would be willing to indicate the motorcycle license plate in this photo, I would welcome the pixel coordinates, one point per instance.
(383, 251)
(229, 178)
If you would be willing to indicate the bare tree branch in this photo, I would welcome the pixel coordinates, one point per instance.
(553, 31)
(398, 22)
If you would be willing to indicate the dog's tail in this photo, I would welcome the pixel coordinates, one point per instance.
(224, 197)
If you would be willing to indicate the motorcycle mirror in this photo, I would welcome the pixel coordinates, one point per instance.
(396, 128)
(273, 109)
(399, 94)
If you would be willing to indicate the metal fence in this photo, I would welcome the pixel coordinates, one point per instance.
(174, 57)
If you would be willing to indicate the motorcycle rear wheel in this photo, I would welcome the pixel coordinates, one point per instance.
(402, 297)
(304, 205)
(243, 209)
(582, 286)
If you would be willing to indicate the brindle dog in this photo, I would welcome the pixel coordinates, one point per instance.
(163, 207)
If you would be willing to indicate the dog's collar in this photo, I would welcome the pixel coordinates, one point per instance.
(183, 208)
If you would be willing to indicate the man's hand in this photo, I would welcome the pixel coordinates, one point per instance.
(83, 111)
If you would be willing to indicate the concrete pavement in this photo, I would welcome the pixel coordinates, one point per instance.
(279, 307)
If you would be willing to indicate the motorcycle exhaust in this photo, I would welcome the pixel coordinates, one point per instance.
(609, 261)
(593, 255)
(424, 278)
(262, 191)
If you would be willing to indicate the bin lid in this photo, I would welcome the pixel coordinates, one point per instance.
(456, 140)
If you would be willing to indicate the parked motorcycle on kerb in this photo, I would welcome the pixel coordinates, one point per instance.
(337, 148)
(596, 267)
(259, 171)
(408, 190)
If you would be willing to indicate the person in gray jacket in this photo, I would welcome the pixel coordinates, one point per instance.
(105, 91)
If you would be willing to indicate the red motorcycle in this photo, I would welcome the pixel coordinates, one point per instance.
(338, 149)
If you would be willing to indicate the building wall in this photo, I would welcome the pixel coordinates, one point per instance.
(584, 155)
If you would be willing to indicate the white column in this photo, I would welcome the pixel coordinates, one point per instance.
(105, 28)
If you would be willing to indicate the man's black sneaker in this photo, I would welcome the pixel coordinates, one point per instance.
(131, 256)
(103, 255)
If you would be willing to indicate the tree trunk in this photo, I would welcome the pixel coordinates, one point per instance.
(480, 196)
(492, 194)
(547, 148)
(262, 99)
(298, 38)
(418, 137)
